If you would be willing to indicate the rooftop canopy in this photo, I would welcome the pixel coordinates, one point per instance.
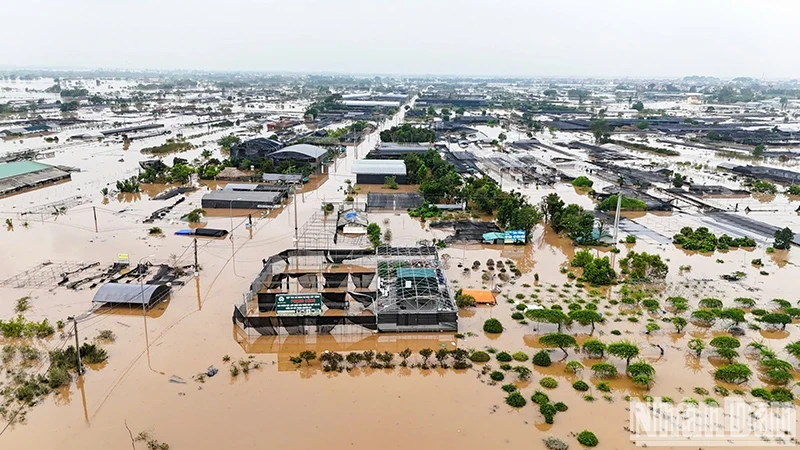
(379, 166)
(130, 294)
(310, 151)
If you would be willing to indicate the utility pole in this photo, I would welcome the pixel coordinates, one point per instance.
(296, 232)
(196, 269)
(616, 216)
(94, 211)
(77, 345)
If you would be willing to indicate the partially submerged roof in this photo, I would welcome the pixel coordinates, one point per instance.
(311, 151)
(379, 166)
(415, 272)
(481, 296)
(20, 168)
(131, 294)
(284, 177)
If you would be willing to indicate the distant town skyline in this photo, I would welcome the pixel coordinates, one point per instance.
(614, 38)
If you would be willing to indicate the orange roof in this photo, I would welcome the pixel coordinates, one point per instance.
(480, 295)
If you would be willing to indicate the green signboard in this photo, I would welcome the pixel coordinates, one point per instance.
(298, 304)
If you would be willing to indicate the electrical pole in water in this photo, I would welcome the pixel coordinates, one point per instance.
(94, 211)
(77, 346)
(196, 267)
(616, 216)
(296, 234)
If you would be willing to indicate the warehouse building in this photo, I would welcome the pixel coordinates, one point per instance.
(302, 154)
(255, 199)
(22, 175)
(375, 171)
(258, 148)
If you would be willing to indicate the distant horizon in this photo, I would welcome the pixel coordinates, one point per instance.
(614, 39)
(74, 69)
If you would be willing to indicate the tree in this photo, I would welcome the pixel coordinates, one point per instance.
(644, 266)
(696, 345)
(553, 316)
(559, 340)
(502, 137)
(574, 367)
(678, 180)
(735, 315)
(594, 347)
(195, 215)
(426, 353)
(585, 317)
(228, 141)
(758, 151)
(704, 317)
(710, 303)
(640, 369)
(776, 319)
(374, 234)
(604, 370)
(733, 373)
(624, 350)
(600, 130)
(680, 323)
(724, 342)
(308, 355)
(405, 354)
(599, 271)
(783, 239)
(794, 349)
(638, 106)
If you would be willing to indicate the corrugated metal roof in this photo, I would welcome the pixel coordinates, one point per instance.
(20, 167)
(415, 272)
(312, 151)
(130, 293)
(379, 166)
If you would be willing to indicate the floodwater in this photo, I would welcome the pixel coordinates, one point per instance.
(305, 407)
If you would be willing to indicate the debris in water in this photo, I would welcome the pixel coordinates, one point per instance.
(177, 379)
(212, 371)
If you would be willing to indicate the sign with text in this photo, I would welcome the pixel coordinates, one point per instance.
(298, 304)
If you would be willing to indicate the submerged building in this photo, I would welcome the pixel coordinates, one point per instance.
(23, 175)
(349, 291)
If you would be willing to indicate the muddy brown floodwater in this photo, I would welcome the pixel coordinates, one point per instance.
(283, 406)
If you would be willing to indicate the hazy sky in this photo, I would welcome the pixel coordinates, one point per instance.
(459, 37)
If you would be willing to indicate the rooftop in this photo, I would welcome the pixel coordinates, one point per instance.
(379, 166)
(13, 169)
(312, 151)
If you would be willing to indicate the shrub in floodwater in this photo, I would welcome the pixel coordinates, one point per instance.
(479, 356)
(509, 388)
(503, 357)
(497, 375)
(548, 382)
(520, 356)
(580, 386)
(587, 438)
(515, 400)
(492, 326)
(517, 316)
(540, 398)
(542, 359)
(560, 406)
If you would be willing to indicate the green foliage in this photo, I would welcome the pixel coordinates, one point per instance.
(479, 356)
(541, 359)
(600, 130)
(503, 357)
(195, 215)
(763, 187)
(775, 319)
(515, 400)
(630, 239)
(572, 219)
(497, 375)
(704, 317)
(520, 356)
(19, 326)
(793, 189)
(23, 304)
(624, 350)
(559, 340)
(594, 347)
(424, 212)
(573, 367)
(408, 133)
(509, 388)
(733, 373)
(643, 266)
(604, 370)
(540, 398)
(587, 438)
(155, 230)
(628, 204)
(704, 241)
(374, 234)
(548, 382)
(493, 326)
(128, 185)
(171, 146)
(599, 272)
(580, 386)
(582, 182)
(783, 239)
(581, 258)
(710, 303)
